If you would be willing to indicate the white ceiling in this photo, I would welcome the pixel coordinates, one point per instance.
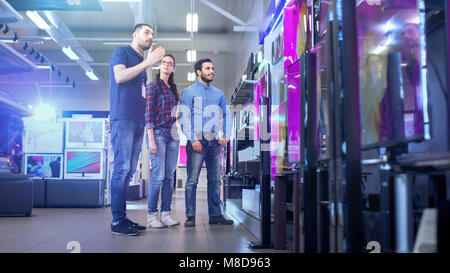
(88, 31)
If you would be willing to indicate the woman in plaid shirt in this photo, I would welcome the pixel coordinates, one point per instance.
(160, 115)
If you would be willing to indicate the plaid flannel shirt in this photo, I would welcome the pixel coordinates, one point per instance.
(159, 106)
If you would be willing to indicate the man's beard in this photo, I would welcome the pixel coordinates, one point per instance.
(206, 80)
(144, 47)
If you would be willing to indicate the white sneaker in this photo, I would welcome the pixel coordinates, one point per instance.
(153, 222)
(166, 219)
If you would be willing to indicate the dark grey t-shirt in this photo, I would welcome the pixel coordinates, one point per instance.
(126, 100)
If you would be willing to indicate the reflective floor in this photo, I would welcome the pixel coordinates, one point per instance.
(57, 230)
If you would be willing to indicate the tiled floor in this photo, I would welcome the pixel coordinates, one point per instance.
(51, 230)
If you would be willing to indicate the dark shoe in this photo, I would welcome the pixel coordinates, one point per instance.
(220, 220)
(135, 225)
(190, 222)
(123, 228)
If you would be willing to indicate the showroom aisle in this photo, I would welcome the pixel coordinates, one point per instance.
(52, 230)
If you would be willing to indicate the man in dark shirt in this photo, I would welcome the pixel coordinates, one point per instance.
(127, 115)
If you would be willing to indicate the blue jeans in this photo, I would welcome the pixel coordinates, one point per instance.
(126, 138)
(212, 156)
(164, 164)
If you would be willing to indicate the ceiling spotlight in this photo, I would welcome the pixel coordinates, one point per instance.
(6, 30)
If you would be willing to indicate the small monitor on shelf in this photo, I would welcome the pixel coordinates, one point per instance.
(84, 164)
(44, 166)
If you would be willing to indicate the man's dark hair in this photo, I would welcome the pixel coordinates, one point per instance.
(198, 65)
(138, 26)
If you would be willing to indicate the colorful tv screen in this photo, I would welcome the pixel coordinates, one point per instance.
(44, 166)
(83, 162)
(295, 31)
(85, 133)
(391, 27)
(293, 113)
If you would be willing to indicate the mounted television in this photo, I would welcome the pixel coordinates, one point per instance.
(48, 166)
(393, 27)
(85, 133)
(84, 164)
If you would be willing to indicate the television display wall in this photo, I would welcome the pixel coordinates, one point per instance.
(393, 26)
(48, 166)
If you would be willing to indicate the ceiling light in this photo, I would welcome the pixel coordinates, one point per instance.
(191, 56)
(9, 41)
(37, 19)
(91, 75)
(192, 22)
(191, 76)
(69, 52)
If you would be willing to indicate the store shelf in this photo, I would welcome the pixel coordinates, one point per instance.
(8, 14)
(244, 93)
(13, 62)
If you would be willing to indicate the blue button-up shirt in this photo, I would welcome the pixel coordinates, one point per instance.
(207, 108)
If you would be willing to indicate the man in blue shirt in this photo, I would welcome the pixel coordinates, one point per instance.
(202, 109)
(127, 118)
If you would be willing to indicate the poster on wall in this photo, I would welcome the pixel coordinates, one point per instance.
(391, 27)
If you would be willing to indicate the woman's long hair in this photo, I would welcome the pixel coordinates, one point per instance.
(173, 86)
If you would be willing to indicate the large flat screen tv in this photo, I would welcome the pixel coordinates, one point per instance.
(44, 166)
(294, 117)
(392, 27)
(85, 133)
(84, 164)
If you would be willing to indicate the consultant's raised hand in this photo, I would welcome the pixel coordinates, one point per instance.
(155, 55)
